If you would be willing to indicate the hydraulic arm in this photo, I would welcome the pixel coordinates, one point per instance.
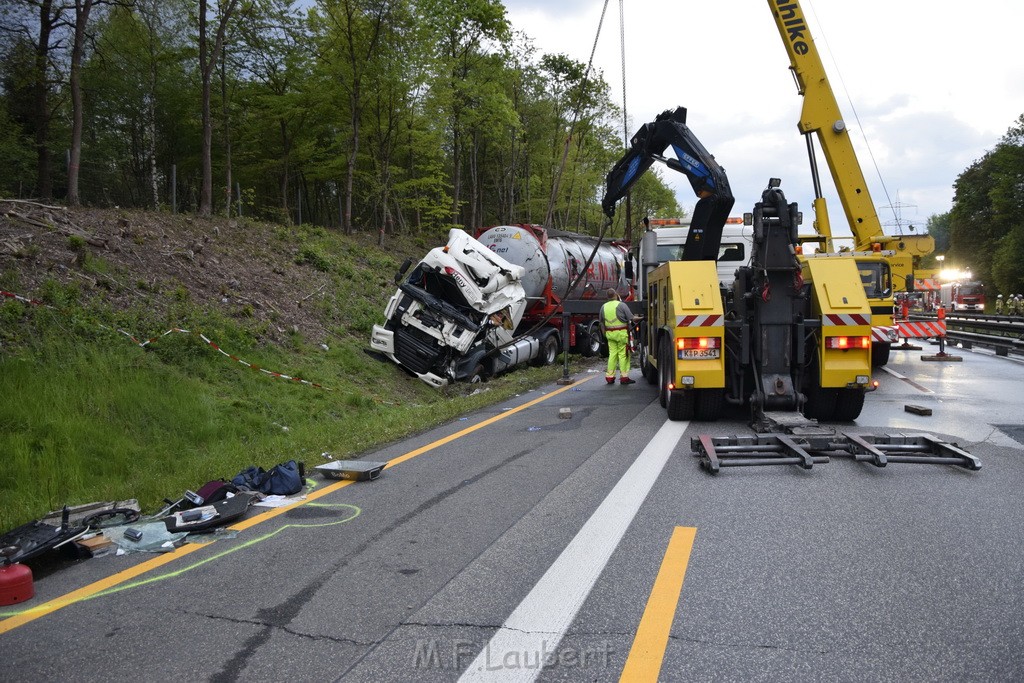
(707, 178)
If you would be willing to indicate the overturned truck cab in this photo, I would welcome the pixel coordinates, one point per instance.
(453, 317)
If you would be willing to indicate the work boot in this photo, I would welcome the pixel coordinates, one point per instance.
(627, 380)
(609, 380)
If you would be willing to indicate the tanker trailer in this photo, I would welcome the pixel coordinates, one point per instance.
(553, 261)
(473, 309)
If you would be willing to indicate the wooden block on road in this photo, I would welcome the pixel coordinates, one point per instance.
(917, 410)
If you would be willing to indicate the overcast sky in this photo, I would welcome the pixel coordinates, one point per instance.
(931, 84)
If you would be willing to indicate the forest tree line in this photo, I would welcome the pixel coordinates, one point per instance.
(406, 115)
(410, 115)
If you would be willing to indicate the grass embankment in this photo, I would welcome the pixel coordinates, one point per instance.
(86, 415)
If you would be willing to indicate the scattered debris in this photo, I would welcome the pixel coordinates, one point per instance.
(355, 470)
(917, 410)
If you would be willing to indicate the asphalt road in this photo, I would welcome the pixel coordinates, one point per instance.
(515, 545)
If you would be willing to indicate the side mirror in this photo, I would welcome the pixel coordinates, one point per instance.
(402, 270)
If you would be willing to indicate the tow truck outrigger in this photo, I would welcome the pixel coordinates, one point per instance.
(789, 336)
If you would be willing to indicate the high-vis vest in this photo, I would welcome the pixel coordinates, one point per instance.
(611, 319)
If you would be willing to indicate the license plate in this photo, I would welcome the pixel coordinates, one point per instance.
(698, 353)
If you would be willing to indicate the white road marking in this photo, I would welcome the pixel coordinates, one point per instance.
(909, 381)
(531, 634)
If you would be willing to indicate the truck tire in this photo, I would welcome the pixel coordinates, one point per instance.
(849, 403)
(663, 377)
(548, 351)
(880, 354)
(677, 402)
(649, 372)
(590, 340)
(708, 407)
(821, 404)
(680, 404)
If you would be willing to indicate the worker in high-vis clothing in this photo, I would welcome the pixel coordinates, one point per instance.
(615, 319)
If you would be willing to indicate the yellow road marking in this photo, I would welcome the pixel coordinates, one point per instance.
(648, 651)
(84, 592)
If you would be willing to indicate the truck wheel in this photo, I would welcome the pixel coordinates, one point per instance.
(849, 403)
(880, 354)
(664, 378)
(548, 351)
(680, 404)
(649, 372)
(821, 404)
(709, 404)
(590, 341)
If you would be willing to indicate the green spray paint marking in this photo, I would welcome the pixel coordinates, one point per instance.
(354, 512)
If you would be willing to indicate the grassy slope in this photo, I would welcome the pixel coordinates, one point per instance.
(86, 415)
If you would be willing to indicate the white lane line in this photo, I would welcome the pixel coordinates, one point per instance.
(892, 372)
(909, 381)
(532, 632)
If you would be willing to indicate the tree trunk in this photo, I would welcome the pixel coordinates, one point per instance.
(208, 57)
(227, 134)
(456, 171)
(44, 181)
(82, 9)
(350, 170)
(286, 171)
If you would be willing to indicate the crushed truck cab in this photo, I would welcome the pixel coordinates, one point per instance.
(458, 304)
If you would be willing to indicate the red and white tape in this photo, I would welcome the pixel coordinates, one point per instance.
(279, 375)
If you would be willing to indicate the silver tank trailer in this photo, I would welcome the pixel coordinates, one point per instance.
(566, 254)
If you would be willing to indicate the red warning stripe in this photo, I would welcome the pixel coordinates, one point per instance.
(698, 321)
(843, 319)
(879, 334)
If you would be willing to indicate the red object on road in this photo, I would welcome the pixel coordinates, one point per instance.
(15, 584)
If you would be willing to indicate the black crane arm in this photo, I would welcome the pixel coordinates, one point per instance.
(707, 178)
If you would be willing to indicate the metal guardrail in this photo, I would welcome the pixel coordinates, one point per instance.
(1002, 333)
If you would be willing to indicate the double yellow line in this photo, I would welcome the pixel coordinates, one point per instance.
(109, 582)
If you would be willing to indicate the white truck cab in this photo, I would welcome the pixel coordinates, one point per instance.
(667, 245)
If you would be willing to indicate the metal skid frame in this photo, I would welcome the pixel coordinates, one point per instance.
(807, 450)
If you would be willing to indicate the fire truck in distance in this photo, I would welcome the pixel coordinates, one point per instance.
(963, 296)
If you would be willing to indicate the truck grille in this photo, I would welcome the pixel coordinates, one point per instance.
(416, 350)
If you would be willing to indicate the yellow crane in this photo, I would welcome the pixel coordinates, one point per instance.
(820, 117)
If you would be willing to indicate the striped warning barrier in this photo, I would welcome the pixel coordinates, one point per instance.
(921, 329)
(144, 344)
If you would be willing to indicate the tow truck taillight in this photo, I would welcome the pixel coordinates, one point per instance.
(847, 342)
(684, 343)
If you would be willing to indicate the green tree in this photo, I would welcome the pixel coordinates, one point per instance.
(987, 218)
(462, 31)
